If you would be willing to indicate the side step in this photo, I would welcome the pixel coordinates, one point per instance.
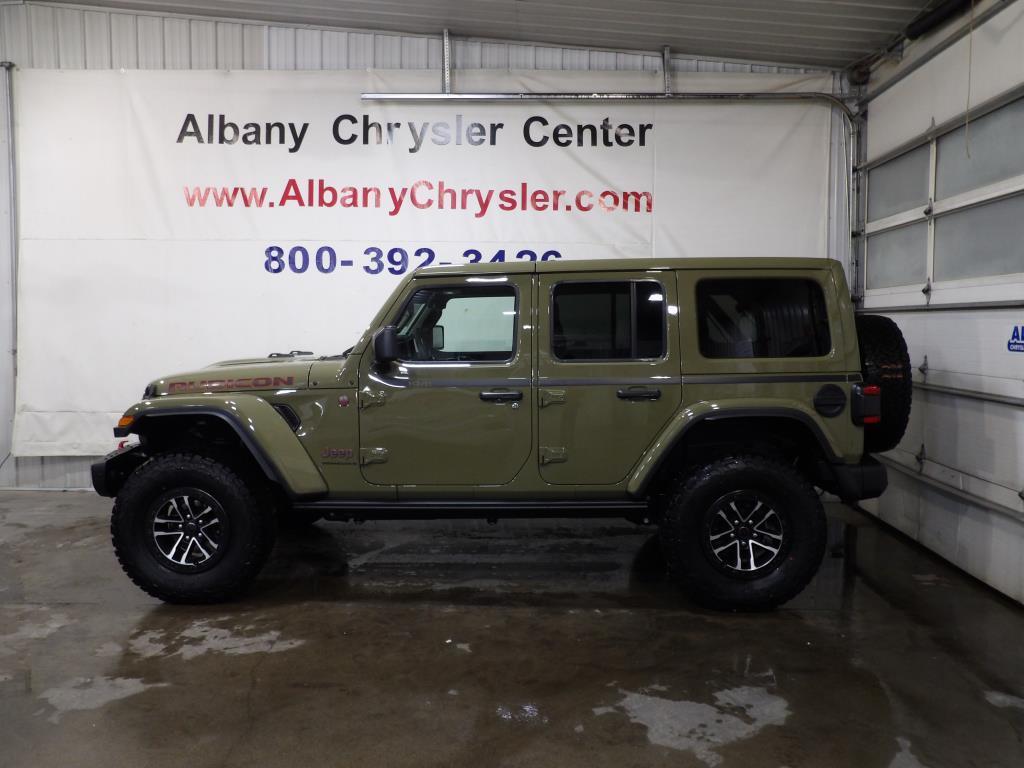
(472, 508)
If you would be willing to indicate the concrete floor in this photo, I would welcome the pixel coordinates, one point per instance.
(524, 644)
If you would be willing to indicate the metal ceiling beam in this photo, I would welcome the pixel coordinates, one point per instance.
(819, 33)
(446, 63)
(688, 96)
(666, 68)
(668, 95)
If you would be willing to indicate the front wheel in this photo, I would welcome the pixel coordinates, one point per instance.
(188, 529)
(744, 532)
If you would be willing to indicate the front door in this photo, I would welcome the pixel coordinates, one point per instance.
(456, 408)
(608, 372)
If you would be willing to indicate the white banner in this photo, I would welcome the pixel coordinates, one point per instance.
(172, 219)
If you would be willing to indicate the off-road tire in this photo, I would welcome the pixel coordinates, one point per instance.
(249, 540)
(691, 509)
(885, 362)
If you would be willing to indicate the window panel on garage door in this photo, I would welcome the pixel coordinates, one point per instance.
(899, 185)
(990, 151)
(970, 226)
(981, 242)
(898, 257)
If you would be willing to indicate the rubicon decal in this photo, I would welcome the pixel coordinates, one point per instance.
(261, 382)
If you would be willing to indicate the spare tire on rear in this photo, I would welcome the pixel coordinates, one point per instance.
(884, 362)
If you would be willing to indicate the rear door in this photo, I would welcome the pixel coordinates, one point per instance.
(608, 371)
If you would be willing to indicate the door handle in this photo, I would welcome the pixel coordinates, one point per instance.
(502, 397)
(652, 393)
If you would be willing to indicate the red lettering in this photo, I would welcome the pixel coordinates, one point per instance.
(327, 196)
(414, 198)
(291, 194)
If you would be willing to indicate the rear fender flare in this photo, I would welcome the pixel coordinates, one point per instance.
(675, 431)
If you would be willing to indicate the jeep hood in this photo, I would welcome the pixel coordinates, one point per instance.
(245, 375)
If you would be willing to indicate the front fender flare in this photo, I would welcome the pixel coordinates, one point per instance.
(267, 436)
(687, 418)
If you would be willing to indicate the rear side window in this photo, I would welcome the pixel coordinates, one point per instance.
(768, 317)
(608, 321)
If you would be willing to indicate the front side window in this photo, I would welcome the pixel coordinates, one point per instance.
(458, 324)
(608, 321)
(768, 317)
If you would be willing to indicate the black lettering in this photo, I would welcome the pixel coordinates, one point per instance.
(442, 133)
(583, 130)
(190, 128)
(417, 136)
(223, 126)
(367, 127)
(562, 135)
(337, 125)
(251, 134)
(476, 134)
(624, 135)
(279, 127)
(297, 136)
(528, 137)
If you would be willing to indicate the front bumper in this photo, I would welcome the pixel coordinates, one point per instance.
(855, 482)
(110, 472)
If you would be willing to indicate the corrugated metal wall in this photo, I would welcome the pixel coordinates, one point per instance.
(45, 36)
(802, 33)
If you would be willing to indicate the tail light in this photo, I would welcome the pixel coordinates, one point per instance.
(866, 404)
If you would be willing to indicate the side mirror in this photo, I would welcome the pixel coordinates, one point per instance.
(437, 337)
(385, 345)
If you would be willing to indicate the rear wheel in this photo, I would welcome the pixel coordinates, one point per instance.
(189, 529)
(744, 532)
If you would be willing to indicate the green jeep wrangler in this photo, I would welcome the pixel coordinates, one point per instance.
(712, 398)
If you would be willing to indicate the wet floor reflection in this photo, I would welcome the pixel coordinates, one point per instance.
(517, 644)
